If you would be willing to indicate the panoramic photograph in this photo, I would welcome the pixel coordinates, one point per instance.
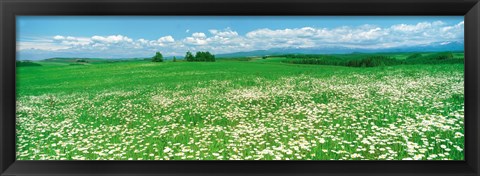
(240, 88)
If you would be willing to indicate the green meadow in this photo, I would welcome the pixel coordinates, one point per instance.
(389, 106)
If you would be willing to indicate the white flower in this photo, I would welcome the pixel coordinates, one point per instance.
(417, 157)
(322, 140)
(167, 149)
(355, 155)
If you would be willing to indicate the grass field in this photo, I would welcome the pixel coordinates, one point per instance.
(255, 109)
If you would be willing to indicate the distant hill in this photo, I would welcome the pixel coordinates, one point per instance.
(251, 53)
(59, 59)
(436, 47)
(87, 60)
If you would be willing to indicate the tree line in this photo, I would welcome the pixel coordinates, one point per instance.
(199, 56)
(373, 60)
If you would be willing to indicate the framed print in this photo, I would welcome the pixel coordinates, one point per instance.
(239, 88)
(242, 88)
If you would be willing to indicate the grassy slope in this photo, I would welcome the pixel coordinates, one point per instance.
(239, 110)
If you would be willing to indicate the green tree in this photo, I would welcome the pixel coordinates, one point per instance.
(209, 57)
(174, 59)
(158, 57)
(200, 56)
(189, 57)
(415, 55)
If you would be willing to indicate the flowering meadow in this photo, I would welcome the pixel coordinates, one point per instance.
(239, 110)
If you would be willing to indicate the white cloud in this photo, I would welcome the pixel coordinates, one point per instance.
(228, 40)
(142, 41)
(268, 33)
(227, 33)
(166, 39)
(199, 35)
(44, 46)
(445, 43)
(452, 32)
(72, 41)
(111, 39)
(197, 38)
(411, 28)
(59, 37)
(195, 41)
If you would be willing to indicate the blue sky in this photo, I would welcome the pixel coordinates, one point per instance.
(139, 36)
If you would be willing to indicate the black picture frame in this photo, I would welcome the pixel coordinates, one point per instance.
(11, 8)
